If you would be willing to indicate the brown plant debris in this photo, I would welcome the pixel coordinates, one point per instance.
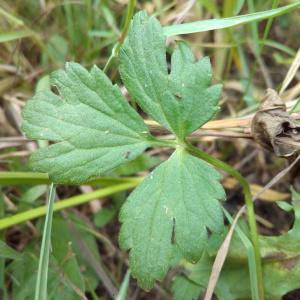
(274, 129)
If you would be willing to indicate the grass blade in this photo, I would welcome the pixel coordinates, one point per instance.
(70, 202)
(291, 72)
(16, 178)
(254, 29)
(220, 258)
(42, 276)
(124, 287)
(278, 46)
(93, 261)
(15, 35)
(251, 257)
(270, 21)
(2, 238)
(8, 16)
(206, 25)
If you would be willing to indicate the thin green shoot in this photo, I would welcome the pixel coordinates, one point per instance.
(42, 276)
(124, 287)
(35, 178)
(67, 203)
(14, 35)
(249, 205)
(117, 46)
(251, 257)
(296, 107)
(213, 24)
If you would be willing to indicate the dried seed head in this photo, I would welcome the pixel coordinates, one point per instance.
(274, 129)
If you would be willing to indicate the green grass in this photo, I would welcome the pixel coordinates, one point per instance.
(42, 275)
(63, 204)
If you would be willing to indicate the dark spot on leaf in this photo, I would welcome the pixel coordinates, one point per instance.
(173, 232)
(274, 256)
(54, 90)
(127, 154)
(178, 96)
(290, 263)
(283, 259)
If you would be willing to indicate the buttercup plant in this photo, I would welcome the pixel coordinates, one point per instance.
(95, 130)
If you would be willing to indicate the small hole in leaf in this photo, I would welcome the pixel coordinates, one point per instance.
(54, 90)
(178, 96)
(173, 232)
(168, 58)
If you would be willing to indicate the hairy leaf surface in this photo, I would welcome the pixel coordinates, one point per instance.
(95, 127)
(96, 130)
(172, 207)
(181, 101)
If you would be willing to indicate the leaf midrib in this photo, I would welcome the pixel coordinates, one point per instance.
(91, 128)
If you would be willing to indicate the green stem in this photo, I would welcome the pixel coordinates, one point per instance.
(89, 8)
(269, 24)
(117, 47)
(155, 142)
(70, 202)
(2, 238)
(111, 58)
(258, 49)
(130, 11)
(250, 256)
(16, 178)
(249, 205)
(41, 283)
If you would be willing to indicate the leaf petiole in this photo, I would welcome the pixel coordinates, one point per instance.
(117, 46)
(162, 143)
(249, 205)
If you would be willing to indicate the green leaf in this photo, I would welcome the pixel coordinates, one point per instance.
(24, 278)
(58, 48)
(96, 128)
(284, 205)
(62, 250)
(213, 24)
(32, 194)
(122, 295)
(181, 101)
(68, 266)
(89, 273)
(8, 252)
(281, 266)
(15, 35)
(172, 208)
(42, 275)
(43, 84)
(185, 289)
(141, 163)
(104, 216)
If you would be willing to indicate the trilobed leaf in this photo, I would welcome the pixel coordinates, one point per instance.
(95, 127)
(173, 207)
(181, 101)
